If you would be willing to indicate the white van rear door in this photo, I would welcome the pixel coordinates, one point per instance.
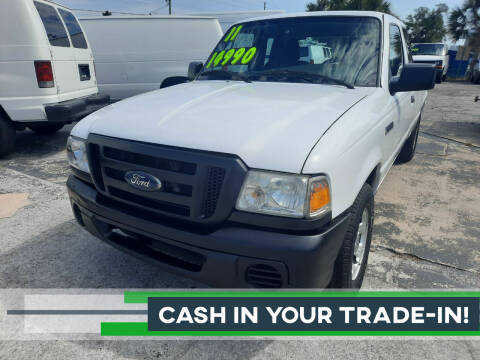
(65, 67)
(81, 49)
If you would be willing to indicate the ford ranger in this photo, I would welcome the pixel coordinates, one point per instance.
(261, 171)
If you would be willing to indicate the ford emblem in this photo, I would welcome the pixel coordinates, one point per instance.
(142, 181)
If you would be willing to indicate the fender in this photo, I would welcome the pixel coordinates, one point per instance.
(349, 151)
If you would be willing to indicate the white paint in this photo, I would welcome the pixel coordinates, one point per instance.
(23, 40)
(287, 127)
(134, 54)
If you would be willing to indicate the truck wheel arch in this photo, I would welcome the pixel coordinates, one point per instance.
(373, 177)
(370, 174)
(4, 116)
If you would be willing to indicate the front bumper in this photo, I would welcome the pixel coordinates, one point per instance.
(75, 109)
(232, 256)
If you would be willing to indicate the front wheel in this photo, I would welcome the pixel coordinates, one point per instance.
(47, 129)
(352, 259)
(439, 78)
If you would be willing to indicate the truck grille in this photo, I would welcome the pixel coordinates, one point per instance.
(199, 187)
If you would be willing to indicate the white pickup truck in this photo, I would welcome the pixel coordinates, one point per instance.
(261, 171)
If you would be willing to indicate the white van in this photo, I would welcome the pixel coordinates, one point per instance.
(136, 54)
(433, 53)
(47, 75)
(228, 18)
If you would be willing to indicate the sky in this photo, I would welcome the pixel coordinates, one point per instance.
(400, 7)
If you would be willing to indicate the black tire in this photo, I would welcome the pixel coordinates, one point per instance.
(444, 78)
(408, 150)
(46, 129)
(476, 78)
(7, 137)
(438, 78)
(343, 276)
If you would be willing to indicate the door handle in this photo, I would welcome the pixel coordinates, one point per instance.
(412, 99)
(389, 128)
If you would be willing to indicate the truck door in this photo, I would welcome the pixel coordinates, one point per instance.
(416, 97)
(402, 101)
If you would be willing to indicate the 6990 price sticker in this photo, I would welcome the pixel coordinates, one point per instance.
(231, 57)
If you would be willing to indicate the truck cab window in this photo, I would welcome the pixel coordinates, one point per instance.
(318, 49)
(396, 50)
(53, 25)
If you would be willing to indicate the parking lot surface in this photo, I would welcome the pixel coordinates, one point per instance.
(426, 236)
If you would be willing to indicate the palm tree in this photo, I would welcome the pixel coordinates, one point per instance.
(329, 5)
(464, 23)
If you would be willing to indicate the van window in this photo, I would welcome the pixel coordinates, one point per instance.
(53, 25)
(74, 29)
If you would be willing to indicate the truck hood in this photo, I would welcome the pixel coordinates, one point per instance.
(270, 126)
(427, 58)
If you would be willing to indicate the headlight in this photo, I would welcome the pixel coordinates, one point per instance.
(77, 154)
(279, 194)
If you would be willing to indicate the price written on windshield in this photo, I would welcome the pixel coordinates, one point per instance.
(232, 57)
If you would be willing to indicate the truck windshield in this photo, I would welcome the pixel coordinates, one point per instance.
(328, 49)
(427, 49)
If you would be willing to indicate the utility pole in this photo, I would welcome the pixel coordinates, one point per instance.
(264, 5)
(169, 6)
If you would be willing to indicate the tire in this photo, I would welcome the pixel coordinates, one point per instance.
(438, 78)
(7, 137)
(46, 129)
(351, 262)
(444, 78)
(476, 77)
(408, 150)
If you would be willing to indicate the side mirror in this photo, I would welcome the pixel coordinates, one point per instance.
(414, 77)
(194, 69)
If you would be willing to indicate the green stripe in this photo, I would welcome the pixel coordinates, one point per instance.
(135, 297)
(141, 329)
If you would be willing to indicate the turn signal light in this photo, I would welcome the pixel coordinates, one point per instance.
(44, 72)
(319, 197)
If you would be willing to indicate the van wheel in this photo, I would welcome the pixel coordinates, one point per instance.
(476, 78)
(444, 77)
(7, 137)
(352, 259)
(46, 129)
(408, 150)
(438, 78)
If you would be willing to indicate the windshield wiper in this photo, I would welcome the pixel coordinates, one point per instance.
(224, 73)
(305, 75)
